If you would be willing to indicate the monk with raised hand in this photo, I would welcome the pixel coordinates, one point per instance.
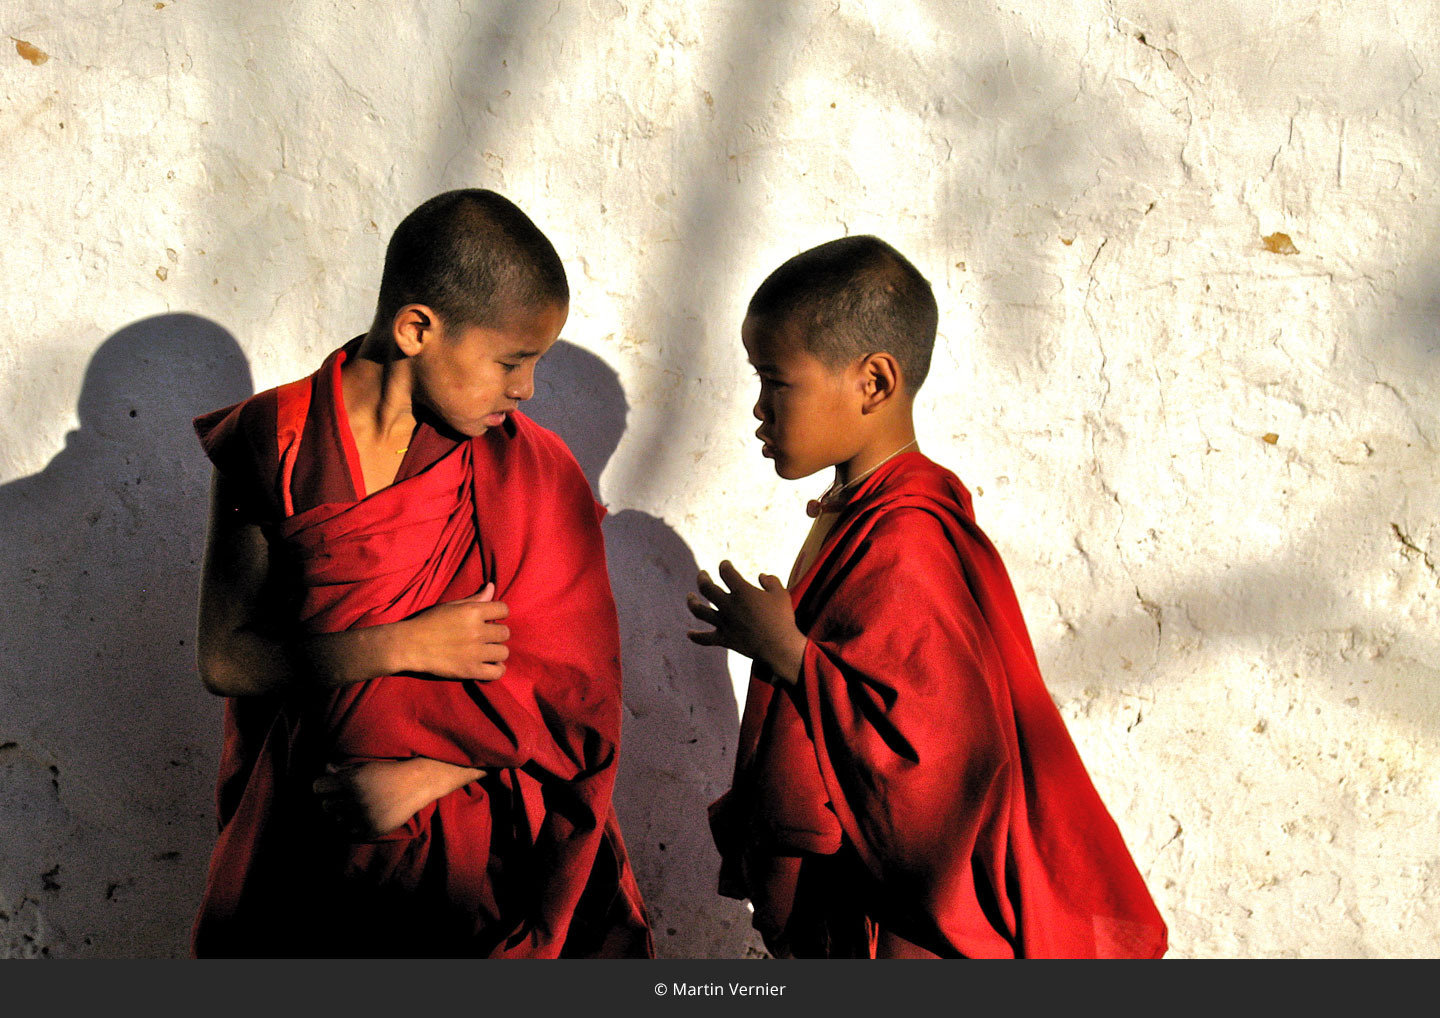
(904, 786)
(406, 603)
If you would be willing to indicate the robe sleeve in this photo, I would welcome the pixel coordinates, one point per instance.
(947, 763)
(240, 441)
(906, 702)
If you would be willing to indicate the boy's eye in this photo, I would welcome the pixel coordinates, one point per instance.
(508, 366)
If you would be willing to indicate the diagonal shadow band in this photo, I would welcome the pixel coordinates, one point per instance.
(681, 723)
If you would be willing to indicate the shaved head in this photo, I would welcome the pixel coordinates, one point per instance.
(474, 258)
(852, 297)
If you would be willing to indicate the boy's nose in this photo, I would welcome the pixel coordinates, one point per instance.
(522, 388)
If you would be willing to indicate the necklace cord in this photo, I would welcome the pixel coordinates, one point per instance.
(832, 494)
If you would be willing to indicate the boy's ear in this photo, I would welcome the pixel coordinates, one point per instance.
(414, 327)
(879, 381)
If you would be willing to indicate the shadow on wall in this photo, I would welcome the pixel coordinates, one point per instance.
(106, 737)
(681, 721)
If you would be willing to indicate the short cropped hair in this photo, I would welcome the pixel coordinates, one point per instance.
(853, 297)
(474, 258)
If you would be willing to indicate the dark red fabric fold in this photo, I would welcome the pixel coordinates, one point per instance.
(528, 862)
(920, 742)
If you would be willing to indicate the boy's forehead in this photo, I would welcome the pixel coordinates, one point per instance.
(768, 341)
(528, 331)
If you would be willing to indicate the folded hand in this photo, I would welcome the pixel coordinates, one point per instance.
(758, 622)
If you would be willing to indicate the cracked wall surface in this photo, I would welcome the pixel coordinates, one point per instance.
(1189, 306)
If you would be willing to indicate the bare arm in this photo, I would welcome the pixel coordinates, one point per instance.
(245, 646)
(372, 799)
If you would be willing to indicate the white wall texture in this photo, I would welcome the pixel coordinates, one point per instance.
(1209, 462)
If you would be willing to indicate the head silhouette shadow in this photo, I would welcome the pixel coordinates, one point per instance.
(678, 745)
(108, 738)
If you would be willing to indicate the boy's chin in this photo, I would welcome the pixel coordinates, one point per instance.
(791, 472)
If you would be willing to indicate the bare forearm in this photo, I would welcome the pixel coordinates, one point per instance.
(783, 653)
(249, 663)
(247, 629)
(372, 799)
(445, 778)
(355, 655)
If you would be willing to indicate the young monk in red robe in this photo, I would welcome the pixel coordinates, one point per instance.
(904, 786)
(405, 599)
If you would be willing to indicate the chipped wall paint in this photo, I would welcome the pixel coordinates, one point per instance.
(1185, 264)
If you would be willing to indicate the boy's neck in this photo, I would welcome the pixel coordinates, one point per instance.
(887, 438)
(378, 389)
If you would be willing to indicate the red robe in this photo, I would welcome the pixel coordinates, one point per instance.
(526, 862)
(918, 779)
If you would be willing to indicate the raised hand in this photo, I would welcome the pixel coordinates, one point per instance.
(758, 622)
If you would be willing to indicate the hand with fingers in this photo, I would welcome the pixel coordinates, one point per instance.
(369, 800)
(758, 622)
(461, 639)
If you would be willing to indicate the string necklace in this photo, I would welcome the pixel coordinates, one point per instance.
(832, 499)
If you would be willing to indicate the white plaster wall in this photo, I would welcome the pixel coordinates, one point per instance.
(1241, 632)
